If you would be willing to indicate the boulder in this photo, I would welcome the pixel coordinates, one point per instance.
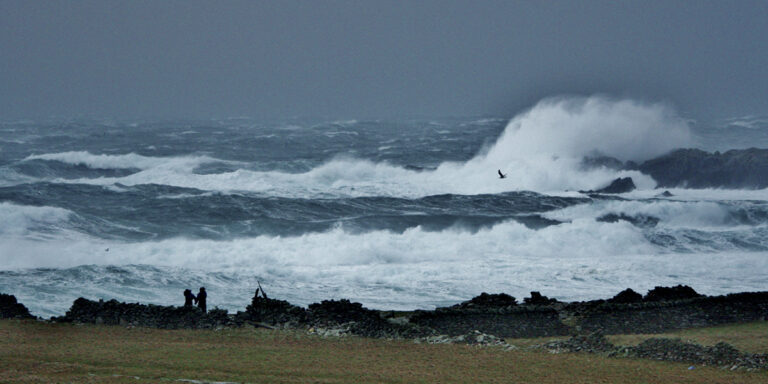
(537, 299)
(273, 312)
(620, 185)
(485, 300)
(626, 296)
(679, 292)
(12, 309)
(353, 318)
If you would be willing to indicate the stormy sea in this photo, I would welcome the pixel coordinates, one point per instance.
(392, 213)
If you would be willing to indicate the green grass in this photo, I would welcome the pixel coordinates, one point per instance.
(39, 352)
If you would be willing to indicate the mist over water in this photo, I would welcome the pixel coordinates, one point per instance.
(395, 214)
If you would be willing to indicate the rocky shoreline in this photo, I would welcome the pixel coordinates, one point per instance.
(484, 320)
(695, 168)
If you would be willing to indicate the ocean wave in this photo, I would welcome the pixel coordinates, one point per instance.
(50, 291)
(125, 161)
(23, 220)
(672, 214)
(540, 150)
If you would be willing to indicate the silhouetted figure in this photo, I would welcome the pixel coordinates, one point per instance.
(188, 298)
(201, 296)
(501, 175)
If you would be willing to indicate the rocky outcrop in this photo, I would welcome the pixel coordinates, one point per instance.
(679, 292)
(626, 296)
(662, 309)
(359, 320)
(12, 309)
(620, 185)
(537, 299)
(272, 312)
(113, 312)
(485, 300)
(694, 168)
(327, 318)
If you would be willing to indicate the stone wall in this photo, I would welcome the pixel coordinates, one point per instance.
(662, 310)
(520, 321)
(116, 313)
(355, 318)
(663, 316)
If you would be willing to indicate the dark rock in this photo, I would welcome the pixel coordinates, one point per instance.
(273, 312)
(537, 299)
(418, 168)
(486, 300)
(627, 296)
(694, 168)
(642, 221)
(620, 185)
(679, 292)
(12, 309)
(665, 194)
(359, 320)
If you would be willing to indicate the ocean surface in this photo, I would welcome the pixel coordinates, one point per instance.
(393, 213)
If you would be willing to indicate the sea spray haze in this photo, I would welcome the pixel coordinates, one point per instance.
(393, 213)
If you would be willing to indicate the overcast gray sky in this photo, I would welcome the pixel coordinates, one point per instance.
(361, 59)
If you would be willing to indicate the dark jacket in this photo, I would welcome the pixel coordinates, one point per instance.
(201, 296)
(188, 298)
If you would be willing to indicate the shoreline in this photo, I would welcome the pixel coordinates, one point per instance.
(661, 309)
(488, 320)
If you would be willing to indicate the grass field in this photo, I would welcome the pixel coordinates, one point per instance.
(39, 352)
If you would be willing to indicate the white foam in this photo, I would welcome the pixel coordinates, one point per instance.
(416, 269)
(704, 194)
(681, 214)
(21, 219)
(126, 161)
(580, 238)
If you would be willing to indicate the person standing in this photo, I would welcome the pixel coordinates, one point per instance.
(201, 298)
(188, 298)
